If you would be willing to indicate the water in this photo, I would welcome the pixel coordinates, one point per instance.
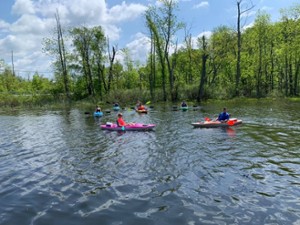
(58, 167)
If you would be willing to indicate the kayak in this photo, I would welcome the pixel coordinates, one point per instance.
(134, 127)
(98, 114)
(184, 108)
(213, 124)
(116, 108)
(141, 110)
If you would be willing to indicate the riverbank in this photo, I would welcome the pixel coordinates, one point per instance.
(26, 102)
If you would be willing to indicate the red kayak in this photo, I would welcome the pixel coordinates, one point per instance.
(213, 124)
(134, 127)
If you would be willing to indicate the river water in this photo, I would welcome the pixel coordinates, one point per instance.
(59, 167)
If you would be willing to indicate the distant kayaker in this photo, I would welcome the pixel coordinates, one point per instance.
(140, 106)
(183, 104)
(121, 122)
(116, 104)
(223, 116)
(98, 109)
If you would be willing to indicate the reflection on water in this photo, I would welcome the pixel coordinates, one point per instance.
(58, 167)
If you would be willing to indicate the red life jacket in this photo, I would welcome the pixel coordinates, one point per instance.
(121, 122)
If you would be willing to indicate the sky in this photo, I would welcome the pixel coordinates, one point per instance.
(25, 23)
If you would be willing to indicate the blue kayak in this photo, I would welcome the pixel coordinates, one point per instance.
(98, 114)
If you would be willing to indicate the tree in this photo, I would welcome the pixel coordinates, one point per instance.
(158, 43)
(111, 57)
(98, 47)
(262, 23)
(221, 59)
(62, 55)
(162, 23)
(189, 48)
(203, 45)
(82, 41)
(290, 36)
(152, 71)
(239, 42)
(55, 46)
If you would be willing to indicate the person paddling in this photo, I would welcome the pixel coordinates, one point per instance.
(183, 104)
(98, 109)
(121, 122)
(223, 116)
(141, 106)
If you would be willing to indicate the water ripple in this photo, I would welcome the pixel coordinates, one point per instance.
(58, 167)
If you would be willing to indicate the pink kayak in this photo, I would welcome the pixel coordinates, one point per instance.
(134, 127)
(213, 124)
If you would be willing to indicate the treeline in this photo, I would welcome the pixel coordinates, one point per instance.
(260, 61)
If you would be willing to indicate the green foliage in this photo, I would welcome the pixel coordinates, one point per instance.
(270, 64)
(125, 96)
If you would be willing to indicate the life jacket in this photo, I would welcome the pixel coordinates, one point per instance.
(141, 107)
(120, 122)
(223, 116)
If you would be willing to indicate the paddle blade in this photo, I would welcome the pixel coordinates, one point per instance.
(149, 102)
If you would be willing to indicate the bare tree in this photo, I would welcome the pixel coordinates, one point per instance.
(62, 55)
(111, 57)
(239, 40)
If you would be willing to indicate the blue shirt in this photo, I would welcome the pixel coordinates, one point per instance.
(223, 116)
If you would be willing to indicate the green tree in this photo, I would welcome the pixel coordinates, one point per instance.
(163, 25)
(204, 56)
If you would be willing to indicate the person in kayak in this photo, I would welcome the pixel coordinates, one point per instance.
(141, 106)
(98, 109)
(183, 104)
(223, 116)
(121, 122)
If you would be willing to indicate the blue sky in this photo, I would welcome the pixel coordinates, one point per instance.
(24, 24)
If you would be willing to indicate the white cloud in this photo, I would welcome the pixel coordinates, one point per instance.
(125, 12)
(201, 5)
(195, 43)
(4, 26)
(18, 44)
(29, 24)
(194, 40)
(139, 47)
(23, 7)
(112, 31)
(248, 26)
(35, 21)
